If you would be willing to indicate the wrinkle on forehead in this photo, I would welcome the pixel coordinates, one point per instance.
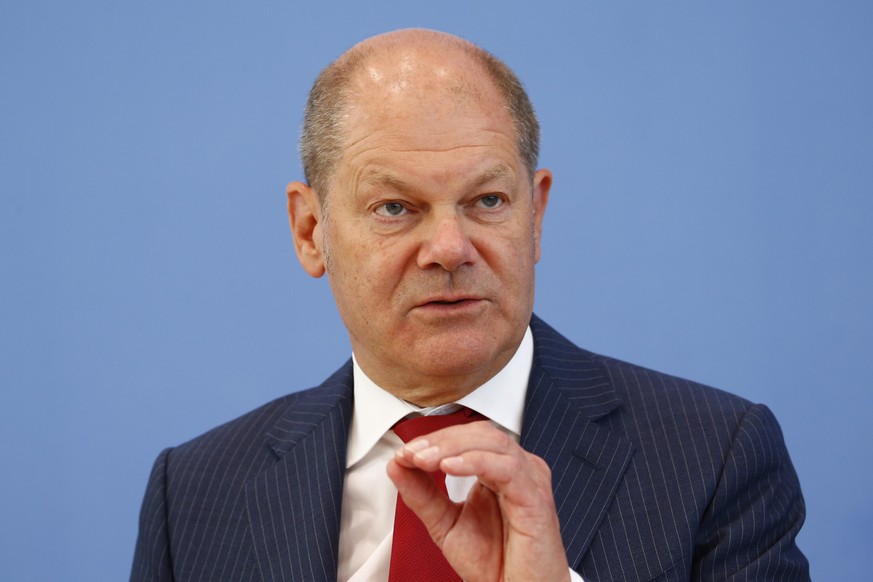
(379, 176)
(420, 91)
(367, 157)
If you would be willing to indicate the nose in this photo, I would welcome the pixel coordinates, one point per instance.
(446, 244)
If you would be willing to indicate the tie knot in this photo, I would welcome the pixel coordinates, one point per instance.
(410, 428)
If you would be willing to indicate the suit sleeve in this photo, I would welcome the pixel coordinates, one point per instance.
(152, 558)
(749, 529)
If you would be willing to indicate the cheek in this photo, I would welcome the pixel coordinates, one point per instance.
(512, 254)
(368, 274)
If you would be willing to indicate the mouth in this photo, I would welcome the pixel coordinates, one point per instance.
(450, 304)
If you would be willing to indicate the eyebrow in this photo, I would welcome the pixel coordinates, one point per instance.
(499, 172)
(378, 178)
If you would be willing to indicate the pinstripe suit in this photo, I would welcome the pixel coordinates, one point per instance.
(655, 478)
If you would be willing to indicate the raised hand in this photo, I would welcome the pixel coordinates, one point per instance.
(507, 528)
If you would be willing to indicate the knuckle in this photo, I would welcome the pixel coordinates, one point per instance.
(540, 466)
(514, 466)
(502, 439)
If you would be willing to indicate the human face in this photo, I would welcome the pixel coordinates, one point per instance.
(430, 240)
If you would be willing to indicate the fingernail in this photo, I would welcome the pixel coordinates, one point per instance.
(427, 454)
(453, 463)
(416, 445)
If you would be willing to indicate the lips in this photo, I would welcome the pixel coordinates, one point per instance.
(445, 306)
(452, 300)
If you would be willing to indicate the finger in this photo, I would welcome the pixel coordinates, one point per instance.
(481, 450)
(406, 455)
(478, 547)
(497, 469)
(428, 451)
(483, 434)
(418, 491)
(523, 489)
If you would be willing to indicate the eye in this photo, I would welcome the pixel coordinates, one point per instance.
(391, 209)
(491, 201)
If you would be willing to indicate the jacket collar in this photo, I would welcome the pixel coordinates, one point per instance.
(567, 395)
(294, 507)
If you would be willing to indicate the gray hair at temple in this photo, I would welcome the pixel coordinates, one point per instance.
(321, 140)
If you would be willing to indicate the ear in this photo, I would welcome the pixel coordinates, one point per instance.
(304, 214)
(541, 185)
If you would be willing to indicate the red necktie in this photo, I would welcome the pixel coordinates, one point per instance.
(414, 555)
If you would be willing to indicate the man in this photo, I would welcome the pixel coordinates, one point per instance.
(424, 208)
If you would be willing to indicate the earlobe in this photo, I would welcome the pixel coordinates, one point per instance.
(304, 215)
(541, 187)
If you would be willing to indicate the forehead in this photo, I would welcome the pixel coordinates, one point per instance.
(447, 144)
(421, 85)
(420, 103)
(420, 68)
(409, 179)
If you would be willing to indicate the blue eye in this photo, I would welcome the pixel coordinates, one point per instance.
(391, 209)
(491, 201)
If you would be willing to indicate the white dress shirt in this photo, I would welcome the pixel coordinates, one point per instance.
(369, 496)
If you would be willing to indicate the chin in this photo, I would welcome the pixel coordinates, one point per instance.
(462, 354)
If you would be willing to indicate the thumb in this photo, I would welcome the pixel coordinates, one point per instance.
(420, 494)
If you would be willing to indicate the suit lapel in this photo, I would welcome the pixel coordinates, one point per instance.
(567, 394)
(294, 507)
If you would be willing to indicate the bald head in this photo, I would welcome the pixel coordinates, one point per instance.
(434, 69)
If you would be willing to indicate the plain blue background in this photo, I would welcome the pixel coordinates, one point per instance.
(711, 217)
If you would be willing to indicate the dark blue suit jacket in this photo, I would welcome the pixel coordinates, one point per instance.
(655, 478)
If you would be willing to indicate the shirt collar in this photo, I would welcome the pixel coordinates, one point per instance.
(501, 399)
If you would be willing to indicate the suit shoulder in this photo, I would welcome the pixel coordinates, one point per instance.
(642, 390)
(260, 417)
(247, 436)
(644, 384)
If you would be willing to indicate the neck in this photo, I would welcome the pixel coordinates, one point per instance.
(431, 390)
